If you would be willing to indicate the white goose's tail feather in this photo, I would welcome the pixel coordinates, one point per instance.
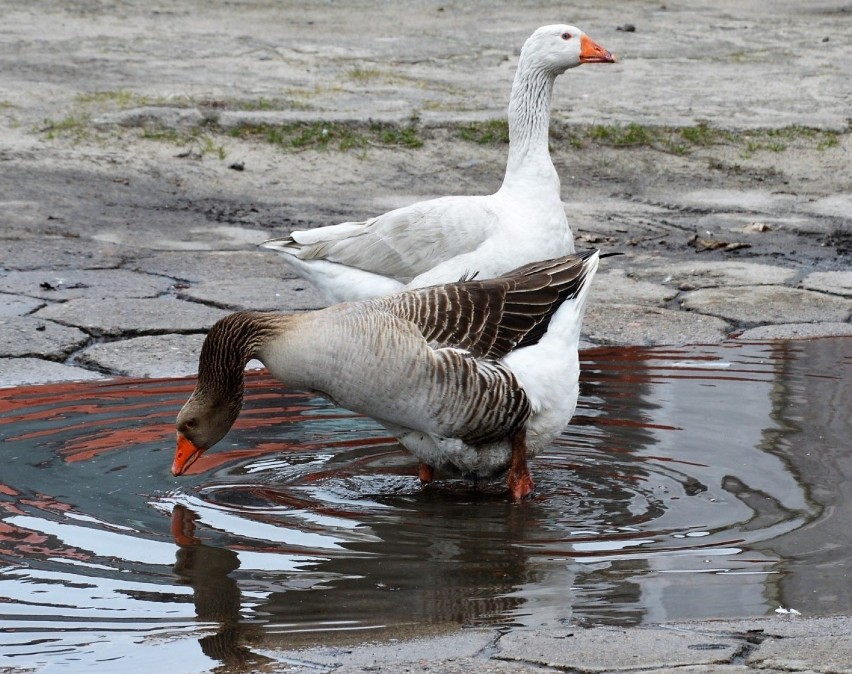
(314, 244)
(549, 370)
(567, 322)
(304, 252)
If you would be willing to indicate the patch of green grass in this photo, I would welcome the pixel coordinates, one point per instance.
(390, 134)
(443, 105)
(674, 140)
(364, 74)
(776, 138)
(303, 136)
(121, 98)
(703, 135)
(251, 105)
(179, 101)
(624, 136)
(493, 131)
(76, 126)
(205, 137)
(828, 140)
(166, 134)
(210, 146)
(792, 132)
(682, 140)
(751, 146)
(200, 140)
(330, 135)
(570, 135)
(676, 148)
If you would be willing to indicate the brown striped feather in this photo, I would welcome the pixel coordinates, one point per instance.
(491, 318)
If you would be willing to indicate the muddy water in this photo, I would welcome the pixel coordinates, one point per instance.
(693, 483)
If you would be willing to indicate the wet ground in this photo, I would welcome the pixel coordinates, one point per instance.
(694, 483)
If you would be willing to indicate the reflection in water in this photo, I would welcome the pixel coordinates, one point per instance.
(214, 593)
(812, 407)
(693, 483)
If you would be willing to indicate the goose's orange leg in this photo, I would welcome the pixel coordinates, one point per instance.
(183, 526)
(520, 482)
(425, 472)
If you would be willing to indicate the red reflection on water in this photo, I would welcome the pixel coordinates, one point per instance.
(22, 543)
(119, 403)
(121, 413)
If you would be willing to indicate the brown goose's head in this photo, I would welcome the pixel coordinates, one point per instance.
(217, 399)
(202, 422)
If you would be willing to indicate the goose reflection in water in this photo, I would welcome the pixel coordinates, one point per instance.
(215, 593)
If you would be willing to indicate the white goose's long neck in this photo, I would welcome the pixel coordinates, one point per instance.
(529, 123)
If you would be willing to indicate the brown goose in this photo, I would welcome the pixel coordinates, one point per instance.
(439, 240)
(474, 375)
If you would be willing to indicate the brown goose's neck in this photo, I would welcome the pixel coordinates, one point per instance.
(229, 345)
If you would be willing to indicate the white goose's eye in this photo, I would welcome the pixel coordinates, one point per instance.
(566, 36)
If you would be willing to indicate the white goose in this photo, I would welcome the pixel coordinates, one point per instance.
(440, 240)
(474, 375)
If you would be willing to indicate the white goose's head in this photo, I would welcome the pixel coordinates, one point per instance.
(559, 47)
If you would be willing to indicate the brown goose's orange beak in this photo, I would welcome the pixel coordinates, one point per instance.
(185, 455)
(592, 52)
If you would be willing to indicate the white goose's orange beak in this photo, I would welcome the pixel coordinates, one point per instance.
(185, 455)
(592, 52)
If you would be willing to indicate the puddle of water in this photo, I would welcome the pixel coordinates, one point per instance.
(693, 483)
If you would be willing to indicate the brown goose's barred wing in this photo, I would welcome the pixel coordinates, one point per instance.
(569, 275)
(491, 318)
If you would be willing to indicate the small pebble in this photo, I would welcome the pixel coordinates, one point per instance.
(627, 28)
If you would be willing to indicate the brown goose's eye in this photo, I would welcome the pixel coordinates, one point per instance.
(190, 423)
(566, 36)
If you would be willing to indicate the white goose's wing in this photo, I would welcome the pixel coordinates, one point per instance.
(402, 243)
